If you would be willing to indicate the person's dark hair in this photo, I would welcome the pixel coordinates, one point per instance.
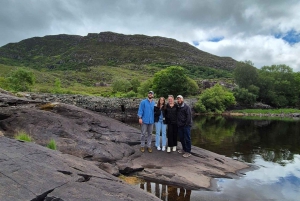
(164, 104)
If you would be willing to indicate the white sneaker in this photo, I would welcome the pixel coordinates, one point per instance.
(174, 148)
(169, 149)
(163, 148)
(158, 148)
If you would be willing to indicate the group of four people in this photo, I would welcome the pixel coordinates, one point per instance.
(171, 119)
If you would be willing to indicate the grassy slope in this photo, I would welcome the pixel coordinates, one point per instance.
(81, 82)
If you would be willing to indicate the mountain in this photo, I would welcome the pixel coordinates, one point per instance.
(107, 48)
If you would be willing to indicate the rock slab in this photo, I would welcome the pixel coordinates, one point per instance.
(31, 172)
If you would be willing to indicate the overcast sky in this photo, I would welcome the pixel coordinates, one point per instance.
(266, 32)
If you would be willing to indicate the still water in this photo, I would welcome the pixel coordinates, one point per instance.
(272, 145)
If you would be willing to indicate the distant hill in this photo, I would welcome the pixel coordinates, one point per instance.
(74, 52)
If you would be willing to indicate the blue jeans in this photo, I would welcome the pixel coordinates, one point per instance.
(160, 126)
(184, 133)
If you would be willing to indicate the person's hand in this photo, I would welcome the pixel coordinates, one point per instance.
(140, 121)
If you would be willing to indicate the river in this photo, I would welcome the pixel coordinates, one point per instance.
(271, 145)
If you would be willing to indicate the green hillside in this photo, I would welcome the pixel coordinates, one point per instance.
(109, 49)
(81, 62)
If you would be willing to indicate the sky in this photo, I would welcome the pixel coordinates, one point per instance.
(266, 32)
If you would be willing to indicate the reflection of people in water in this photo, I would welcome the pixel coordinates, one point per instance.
(149, 187)
(168, 192)
(184, 195)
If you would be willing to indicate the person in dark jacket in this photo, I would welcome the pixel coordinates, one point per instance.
(171, 116)
(160, 123)
(184, 122)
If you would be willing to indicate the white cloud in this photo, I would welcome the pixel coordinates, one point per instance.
(247, 26)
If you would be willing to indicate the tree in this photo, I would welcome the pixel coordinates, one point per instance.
(245, 74)
(277, 86)
(21, 80)
(215, 99)
(121, 85)
(135, 83)
(243, 96)
(145, 87)
(173, 80)
(192, 86)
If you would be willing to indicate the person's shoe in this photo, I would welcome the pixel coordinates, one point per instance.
(149, 150)
(163, 148)
(181, 151)
(168, 149)
(174, 148)
(142, 149)
(158, 148)
(186, 155)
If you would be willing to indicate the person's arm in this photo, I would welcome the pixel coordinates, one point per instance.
(188, 116)
(141, 112)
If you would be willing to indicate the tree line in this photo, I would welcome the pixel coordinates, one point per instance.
(276, 85)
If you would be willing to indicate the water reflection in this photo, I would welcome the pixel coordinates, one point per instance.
(272, 145)
(166, 192)
(276, 141)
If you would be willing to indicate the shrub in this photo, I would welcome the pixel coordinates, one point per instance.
(130, 94)
(215, 100)
(52, 144)
(23, 136)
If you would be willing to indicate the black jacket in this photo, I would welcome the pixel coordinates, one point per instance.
(184, 115)
(157, 114)
(171, 114)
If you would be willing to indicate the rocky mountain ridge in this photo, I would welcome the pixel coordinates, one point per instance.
(107, 48)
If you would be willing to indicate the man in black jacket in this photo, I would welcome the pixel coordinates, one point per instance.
(184, 122)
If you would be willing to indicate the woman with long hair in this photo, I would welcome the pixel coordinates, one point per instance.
(160, 123)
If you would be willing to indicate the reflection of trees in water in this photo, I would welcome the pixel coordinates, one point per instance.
(167, 193)
(274, 140)
(214, 129)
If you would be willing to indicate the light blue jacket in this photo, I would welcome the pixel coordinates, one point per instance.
(146, 111)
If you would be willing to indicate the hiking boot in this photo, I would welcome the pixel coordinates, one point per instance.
(181, 151)
(163, 148)
(168, 149)
(186, 155)
(158, 148)
(142, 149)
(149, 150)
(174, 148)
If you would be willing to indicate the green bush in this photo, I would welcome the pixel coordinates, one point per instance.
(215, 100)
(130, 94)
(21, 80)
(52, 145)
(243, 96)
(23, 136)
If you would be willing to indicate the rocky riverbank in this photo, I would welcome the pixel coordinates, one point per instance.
(86, 139)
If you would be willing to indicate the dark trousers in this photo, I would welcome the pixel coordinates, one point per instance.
(172, 135)
(185, 138)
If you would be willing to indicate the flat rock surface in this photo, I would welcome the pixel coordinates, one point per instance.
(31, 172)
(112, 145)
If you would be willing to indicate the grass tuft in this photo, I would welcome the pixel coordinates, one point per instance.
(48, 106)
(22, 135)
(52, 145)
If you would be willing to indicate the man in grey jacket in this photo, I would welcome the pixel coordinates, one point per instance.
(184, 122)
